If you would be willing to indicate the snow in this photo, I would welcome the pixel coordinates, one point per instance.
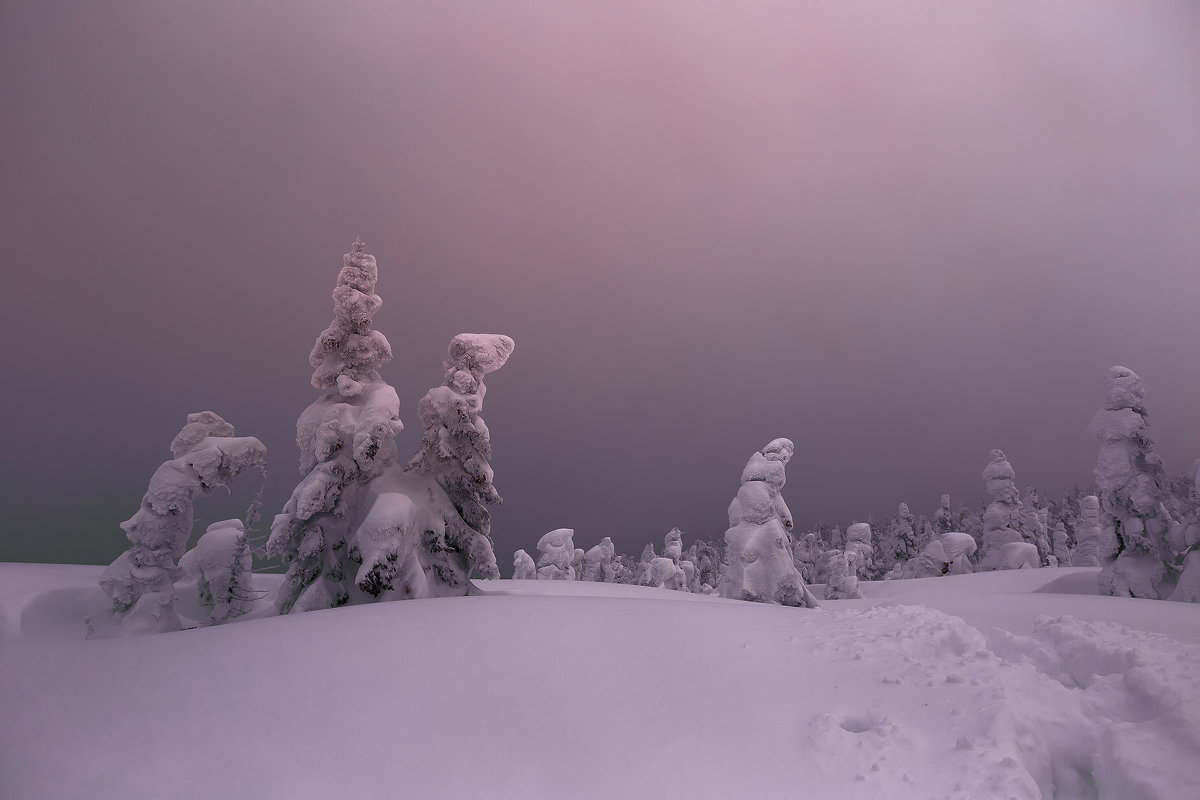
(1000, 684)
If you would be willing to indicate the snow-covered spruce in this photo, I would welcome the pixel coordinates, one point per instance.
(557, 550)
(218, 571)
(456, 446)
(358, 527)
(140, 582)
(523, 567)
(804, 555)
(673, 545)
(759, 565)
(1129, 477)
(898, 542)
(665, 574)
(1001, 520)
(598, 562)
(1062, 553)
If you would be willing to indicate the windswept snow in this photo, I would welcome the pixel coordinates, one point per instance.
(994, 685)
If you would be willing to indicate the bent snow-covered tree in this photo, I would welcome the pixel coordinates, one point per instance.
(140, 583)
(1130, 480)
(759, 565)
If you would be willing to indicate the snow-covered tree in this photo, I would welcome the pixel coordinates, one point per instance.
(140, 583)
(708, 564)
(759, 564)
(899, 540)
(843, 577)
(523, 567)
(358, 527)
(1089, 534)
(1033, 523)
(665, 574)
(557, 550)
(943, 518)
(1129, 476)
(858, 541)
(346, 440)
(597, 562)
(456, 445)
(673, 545)
(946, 554)
(1062, 554)
(1001, 520)
(804, 554)
(218, 569)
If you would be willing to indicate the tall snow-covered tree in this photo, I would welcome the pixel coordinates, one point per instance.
(358, 527)
(1001, 520)
(140, 583)
(456, 447)
(1129, 477)
(759, 564)
(346, 441)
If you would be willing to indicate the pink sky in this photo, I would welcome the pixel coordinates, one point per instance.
(900, 234)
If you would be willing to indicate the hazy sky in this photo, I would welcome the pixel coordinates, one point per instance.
(900, 234)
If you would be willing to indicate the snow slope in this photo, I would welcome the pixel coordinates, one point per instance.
(943, 687)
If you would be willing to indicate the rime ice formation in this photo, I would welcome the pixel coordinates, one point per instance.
(357, 527)
(140, 582)
(557, 550)
(1087, 538)
(1033, 523)
(843, 578)
(1129, 476)
(1001, 520)
(455, 444)
(523, 567)
(759, 564)
(943, 518)
(858, 541)
(219, 567)
(598, 562)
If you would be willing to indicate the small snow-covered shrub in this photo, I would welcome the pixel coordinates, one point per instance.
(218, 569)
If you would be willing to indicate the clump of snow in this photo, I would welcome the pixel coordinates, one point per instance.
(557, 550)
(759, 565)
(140, 582)
(1129, 476)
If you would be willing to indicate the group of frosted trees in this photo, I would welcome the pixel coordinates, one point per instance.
(361, 525)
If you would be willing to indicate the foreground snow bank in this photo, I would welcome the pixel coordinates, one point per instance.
(554, 689)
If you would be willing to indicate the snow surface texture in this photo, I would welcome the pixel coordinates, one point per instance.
(759, 564)
(140, 582)
(908, 693)
(1129, 477)
(1001, 520)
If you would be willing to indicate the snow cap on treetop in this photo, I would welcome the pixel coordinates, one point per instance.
(199, 426)
(1124, 389)
(483, 352)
